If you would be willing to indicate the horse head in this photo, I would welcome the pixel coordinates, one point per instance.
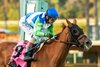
(78, 37)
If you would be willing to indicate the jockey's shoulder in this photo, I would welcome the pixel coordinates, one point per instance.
(42, 17)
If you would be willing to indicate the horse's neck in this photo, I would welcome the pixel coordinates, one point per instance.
(61, 49)
(55, 53)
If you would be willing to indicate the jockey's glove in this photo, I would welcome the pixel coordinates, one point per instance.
(48, 35)
(54, 37)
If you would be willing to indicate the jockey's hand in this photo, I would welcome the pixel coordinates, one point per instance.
(50, 36)
(54, 37)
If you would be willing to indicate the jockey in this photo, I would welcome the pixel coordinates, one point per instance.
(39, 25)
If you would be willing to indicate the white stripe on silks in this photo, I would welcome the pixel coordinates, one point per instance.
(43, 15)
(29, 19)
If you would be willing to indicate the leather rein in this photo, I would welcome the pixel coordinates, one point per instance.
(72, 43)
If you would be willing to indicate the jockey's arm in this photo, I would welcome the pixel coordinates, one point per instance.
(38, 27)
(25, 26)
(52, 32)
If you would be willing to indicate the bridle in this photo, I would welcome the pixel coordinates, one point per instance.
(74, 41)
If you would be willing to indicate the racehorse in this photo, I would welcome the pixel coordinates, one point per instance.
(53, 54)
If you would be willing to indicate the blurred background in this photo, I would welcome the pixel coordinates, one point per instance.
(87, 13)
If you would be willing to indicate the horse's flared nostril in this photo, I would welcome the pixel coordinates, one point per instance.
(88, 42)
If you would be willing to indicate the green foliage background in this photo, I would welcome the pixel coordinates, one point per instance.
(73, 8)
(11, 8)
(66, 8)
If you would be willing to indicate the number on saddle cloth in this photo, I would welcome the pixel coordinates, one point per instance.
(19, 48)
(18, 51)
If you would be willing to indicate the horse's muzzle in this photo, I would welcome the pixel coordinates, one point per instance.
(85, 43)
(88, 44)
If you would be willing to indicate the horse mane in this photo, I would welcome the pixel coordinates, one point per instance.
(65, 29)
(63, 26)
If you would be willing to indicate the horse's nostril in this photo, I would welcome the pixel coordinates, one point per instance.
(87, 42)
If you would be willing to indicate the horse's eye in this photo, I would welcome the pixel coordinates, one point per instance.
(75, 31)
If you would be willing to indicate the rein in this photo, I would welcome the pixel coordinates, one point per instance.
(68, 42)
(73, 39)
(65, 42)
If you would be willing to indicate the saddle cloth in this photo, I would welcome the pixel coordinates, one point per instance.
(19, 52)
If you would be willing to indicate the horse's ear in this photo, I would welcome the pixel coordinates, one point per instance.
(74, 21)
(69, 23)
(63, 25)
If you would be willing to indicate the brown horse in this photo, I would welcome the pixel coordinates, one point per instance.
(54, 54)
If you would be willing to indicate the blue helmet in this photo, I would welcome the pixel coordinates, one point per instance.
(52, 12)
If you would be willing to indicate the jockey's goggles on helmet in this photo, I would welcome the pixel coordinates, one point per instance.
(52, 18)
